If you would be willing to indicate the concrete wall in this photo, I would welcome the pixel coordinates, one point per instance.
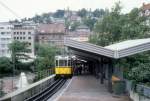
(136, 97)
(133, 95)
(24, 93)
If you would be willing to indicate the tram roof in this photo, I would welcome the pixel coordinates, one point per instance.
(116, 51)
(60, 57)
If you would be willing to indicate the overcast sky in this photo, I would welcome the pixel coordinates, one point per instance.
(28, 8)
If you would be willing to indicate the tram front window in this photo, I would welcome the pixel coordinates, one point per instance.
(62, 62)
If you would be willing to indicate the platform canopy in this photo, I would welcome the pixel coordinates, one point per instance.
(116, 51)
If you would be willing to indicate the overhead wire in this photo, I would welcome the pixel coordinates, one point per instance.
(9, 9)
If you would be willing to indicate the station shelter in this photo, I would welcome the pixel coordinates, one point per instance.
(101, 59)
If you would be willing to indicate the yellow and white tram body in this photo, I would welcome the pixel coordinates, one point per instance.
(63, 66)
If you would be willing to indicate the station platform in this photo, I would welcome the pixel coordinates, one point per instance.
(87, 88)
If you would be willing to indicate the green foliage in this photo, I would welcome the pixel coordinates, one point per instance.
(74, 25)
(5, 65)
(89, 22)
(136, 67)
(45, 56)
(59, 14)
(141, 73)
(115, 27)
(98, 12)
(44, 18)
(83, 12)
(67, 24)
(100, 39)
(18, 50)
(18, 46)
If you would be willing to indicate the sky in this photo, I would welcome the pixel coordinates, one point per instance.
(28, 8)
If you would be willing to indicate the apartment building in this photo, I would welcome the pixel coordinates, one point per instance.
(146, 9)
(52, 34)
(146, 12)
(25, 33)
(81, 34)
(5, 38)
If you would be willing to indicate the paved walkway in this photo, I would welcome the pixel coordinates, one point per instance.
(87, 88)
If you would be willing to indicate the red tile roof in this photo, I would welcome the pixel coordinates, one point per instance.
(51, 28)
(146, 6)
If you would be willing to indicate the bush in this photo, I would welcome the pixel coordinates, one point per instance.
(141, 73)
(5, 65)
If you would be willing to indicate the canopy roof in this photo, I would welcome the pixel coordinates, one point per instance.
(116, 51)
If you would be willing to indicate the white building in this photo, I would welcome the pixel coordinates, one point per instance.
(82, 34)
(25, 33)
(5, 38)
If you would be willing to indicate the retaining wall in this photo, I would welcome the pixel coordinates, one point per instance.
(134, 93)
(24, 93)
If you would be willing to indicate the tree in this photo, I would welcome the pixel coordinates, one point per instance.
(98, 12)
(83, 12)
(109, 27)
(115, 27)
(141, 73)
(18, 50)
(59, 14)
(5, 65)
(46, 54)
(46, 18)
(74, 25)
(37, 19)
(89, 22)
(135, 26)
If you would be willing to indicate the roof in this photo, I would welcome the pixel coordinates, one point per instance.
(146, 6)
(116, 51)
(51, 28)
(79, 33)
(5, 23)
(82, 27)
(127, 44)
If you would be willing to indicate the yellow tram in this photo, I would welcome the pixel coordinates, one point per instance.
(63, 66)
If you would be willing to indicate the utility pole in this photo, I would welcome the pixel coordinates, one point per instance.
(14, 65)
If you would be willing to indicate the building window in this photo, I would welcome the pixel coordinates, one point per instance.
(21, 38)
(42, 37)
(17, 33)
(1, 27)
(14, 33)
(29, 37)
(2, 32)
(14, 37)
(2, 45)
(29, 33)
(20, 33)
(60, 37)
(29, 44)
(24, 38)
(53, 36)
(23, 33)
(17, 37)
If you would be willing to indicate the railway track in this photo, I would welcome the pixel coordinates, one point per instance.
(45, 94)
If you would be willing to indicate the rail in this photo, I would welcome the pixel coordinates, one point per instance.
(48, 91)
(31, 90)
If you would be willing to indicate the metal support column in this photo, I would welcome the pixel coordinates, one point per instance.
(102, 71)
(110, 72)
